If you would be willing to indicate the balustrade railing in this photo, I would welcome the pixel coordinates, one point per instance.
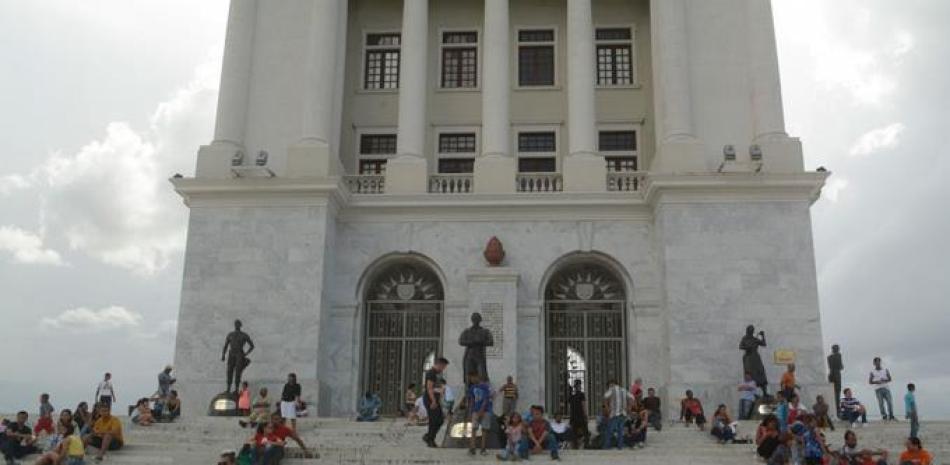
(539, 182)
(626, 181)
(366, 183)
(450, 183)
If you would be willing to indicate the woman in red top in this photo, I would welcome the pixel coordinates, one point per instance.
(266, 445)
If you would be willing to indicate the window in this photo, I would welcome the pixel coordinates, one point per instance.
(614, 56)
(381, 69)
(619, 148)
(536, 57)
(459, 60)
(457, 151)
(537, 152)
(374, 150)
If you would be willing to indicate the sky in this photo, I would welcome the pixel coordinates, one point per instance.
(101, 102)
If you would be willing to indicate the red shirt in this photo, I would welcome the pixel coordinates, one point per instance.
(538, 427)
(283, 432)
(259, 439)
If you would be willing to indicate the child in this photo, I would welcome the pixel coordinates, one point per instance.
(722, 428)
(244, 399)
(410, 400)
(910, 408)
(515, 448)
(813, 444)
(479, 401)
(45, 423)
(142, 415)
(69, 451)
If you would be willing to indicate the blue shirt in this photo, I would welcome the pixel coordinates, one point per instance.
(910, 403)
(480, 394)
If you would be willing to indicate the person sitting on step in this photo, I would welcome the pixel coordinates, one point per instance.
(722, 425)
(691, 410)
(368, 408)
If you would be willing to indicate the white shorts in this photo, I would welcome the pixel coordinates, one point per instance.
(288, 410)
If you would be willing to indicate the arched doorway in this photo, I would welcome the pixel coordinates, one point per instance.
(403, 329)
(585, 325)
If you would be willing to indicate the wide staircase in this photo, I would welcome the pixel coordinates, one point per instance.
(199, 440)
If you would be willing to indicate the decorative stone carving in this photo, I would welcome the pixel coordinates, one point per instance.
(494, 252)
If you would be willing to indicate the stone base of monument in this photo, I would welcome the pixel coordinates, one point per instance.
(458, 433)
(224, 405)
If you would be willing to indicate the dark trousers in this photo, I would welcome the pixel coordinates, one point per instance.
(581, 433)
(235, 368)
(436, 418)
(13, 450)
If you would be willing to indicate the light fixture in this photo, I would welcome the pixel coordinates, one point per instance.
(261, 158)
(755, 152)
(729, 152)
(237, 159)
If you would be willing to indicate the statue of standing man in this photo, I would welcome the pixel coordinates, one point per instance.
(236, 356)
(751, 362)
(475, 339)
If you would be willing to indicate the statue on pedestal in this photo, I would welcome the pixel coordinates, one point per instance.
(751, 362)
(475, 339)
(237, 359)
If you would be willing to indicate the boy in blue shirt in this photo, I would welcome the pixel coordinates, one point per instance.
(479, 401)
(910, 408)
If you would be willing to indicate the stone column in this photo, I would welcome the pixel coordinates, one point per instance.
(584, 169)
(678, 149)
(779, 152)
(495, 167)
(311, 155)
(493, 292)
(215, 160)
(407, 173)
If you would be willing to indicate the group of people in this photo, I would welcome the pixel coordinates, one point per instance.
(65, 438)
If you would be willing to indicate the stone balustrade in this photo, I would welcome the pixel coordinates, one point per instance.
(626, 181)
(366, 183)
(539, 182)
(451, 183)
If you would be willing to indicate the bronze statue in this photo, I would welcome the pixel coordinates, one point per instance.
(835, 367)
(475, 339)
(751, 362)
(236, 356)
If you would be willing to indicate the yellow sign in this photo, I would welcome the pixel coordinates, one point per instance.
(784, 356)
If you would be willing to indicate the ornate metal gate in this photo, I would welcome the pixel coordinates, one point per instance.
(586, 333)
(403, 331)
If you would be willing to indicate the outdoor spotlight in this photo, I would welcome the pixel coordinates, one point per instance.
(237, 159)
(261, 158)
(822, 169)
(729, 152)
(177, 176)
(755, 152)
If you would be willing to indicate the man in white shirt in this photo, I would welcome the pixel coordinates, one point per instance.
(880, 379)
(616, 398)
(105, 393)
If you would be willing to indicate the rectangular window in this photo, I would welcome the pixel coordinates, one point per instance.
(536, 57)
(381, 67)
(456, 151)
(459, 59)
(614, 56)
(619, 148)
(374, 150)
(537, 152)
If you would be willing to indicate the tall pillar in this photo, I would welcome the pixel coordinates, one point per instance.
(584, 169)
(678, 148)
(407, 173)
(780, 153)
(495, 167)
(311, 155)
(231, 120)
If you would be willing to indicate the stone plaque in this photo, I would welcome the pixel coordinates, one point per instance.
(493, 320)
(784, 356)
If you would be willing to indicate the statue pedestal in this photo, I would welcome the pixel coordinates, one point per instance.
(224, 405)
(493, 292)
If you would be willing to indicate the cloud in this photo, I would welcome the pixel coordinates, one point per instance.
(26, 247)
(110, 199)
(885, 138)
(84, 320)
(834, 187)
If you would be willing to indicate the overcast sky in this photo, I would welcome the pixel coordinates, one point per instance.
(100, 102)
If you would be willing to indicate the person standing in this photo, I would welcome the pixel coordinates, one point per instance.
(747, 389)
(788, 383)
(616, 398)
(432, 399)
(578, 415)
(479, 401)
(165, 381)
(835, 367)
(880, 380)
(288, 400)
(105, 392)
(910, 409)
(509, 397)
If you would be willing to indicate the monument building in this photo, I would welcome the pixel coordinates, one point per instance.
(608, 183)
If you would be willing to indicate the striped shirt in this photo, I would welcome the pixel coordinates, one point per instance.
(510, 390)
(850, 404)
(617, 398)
